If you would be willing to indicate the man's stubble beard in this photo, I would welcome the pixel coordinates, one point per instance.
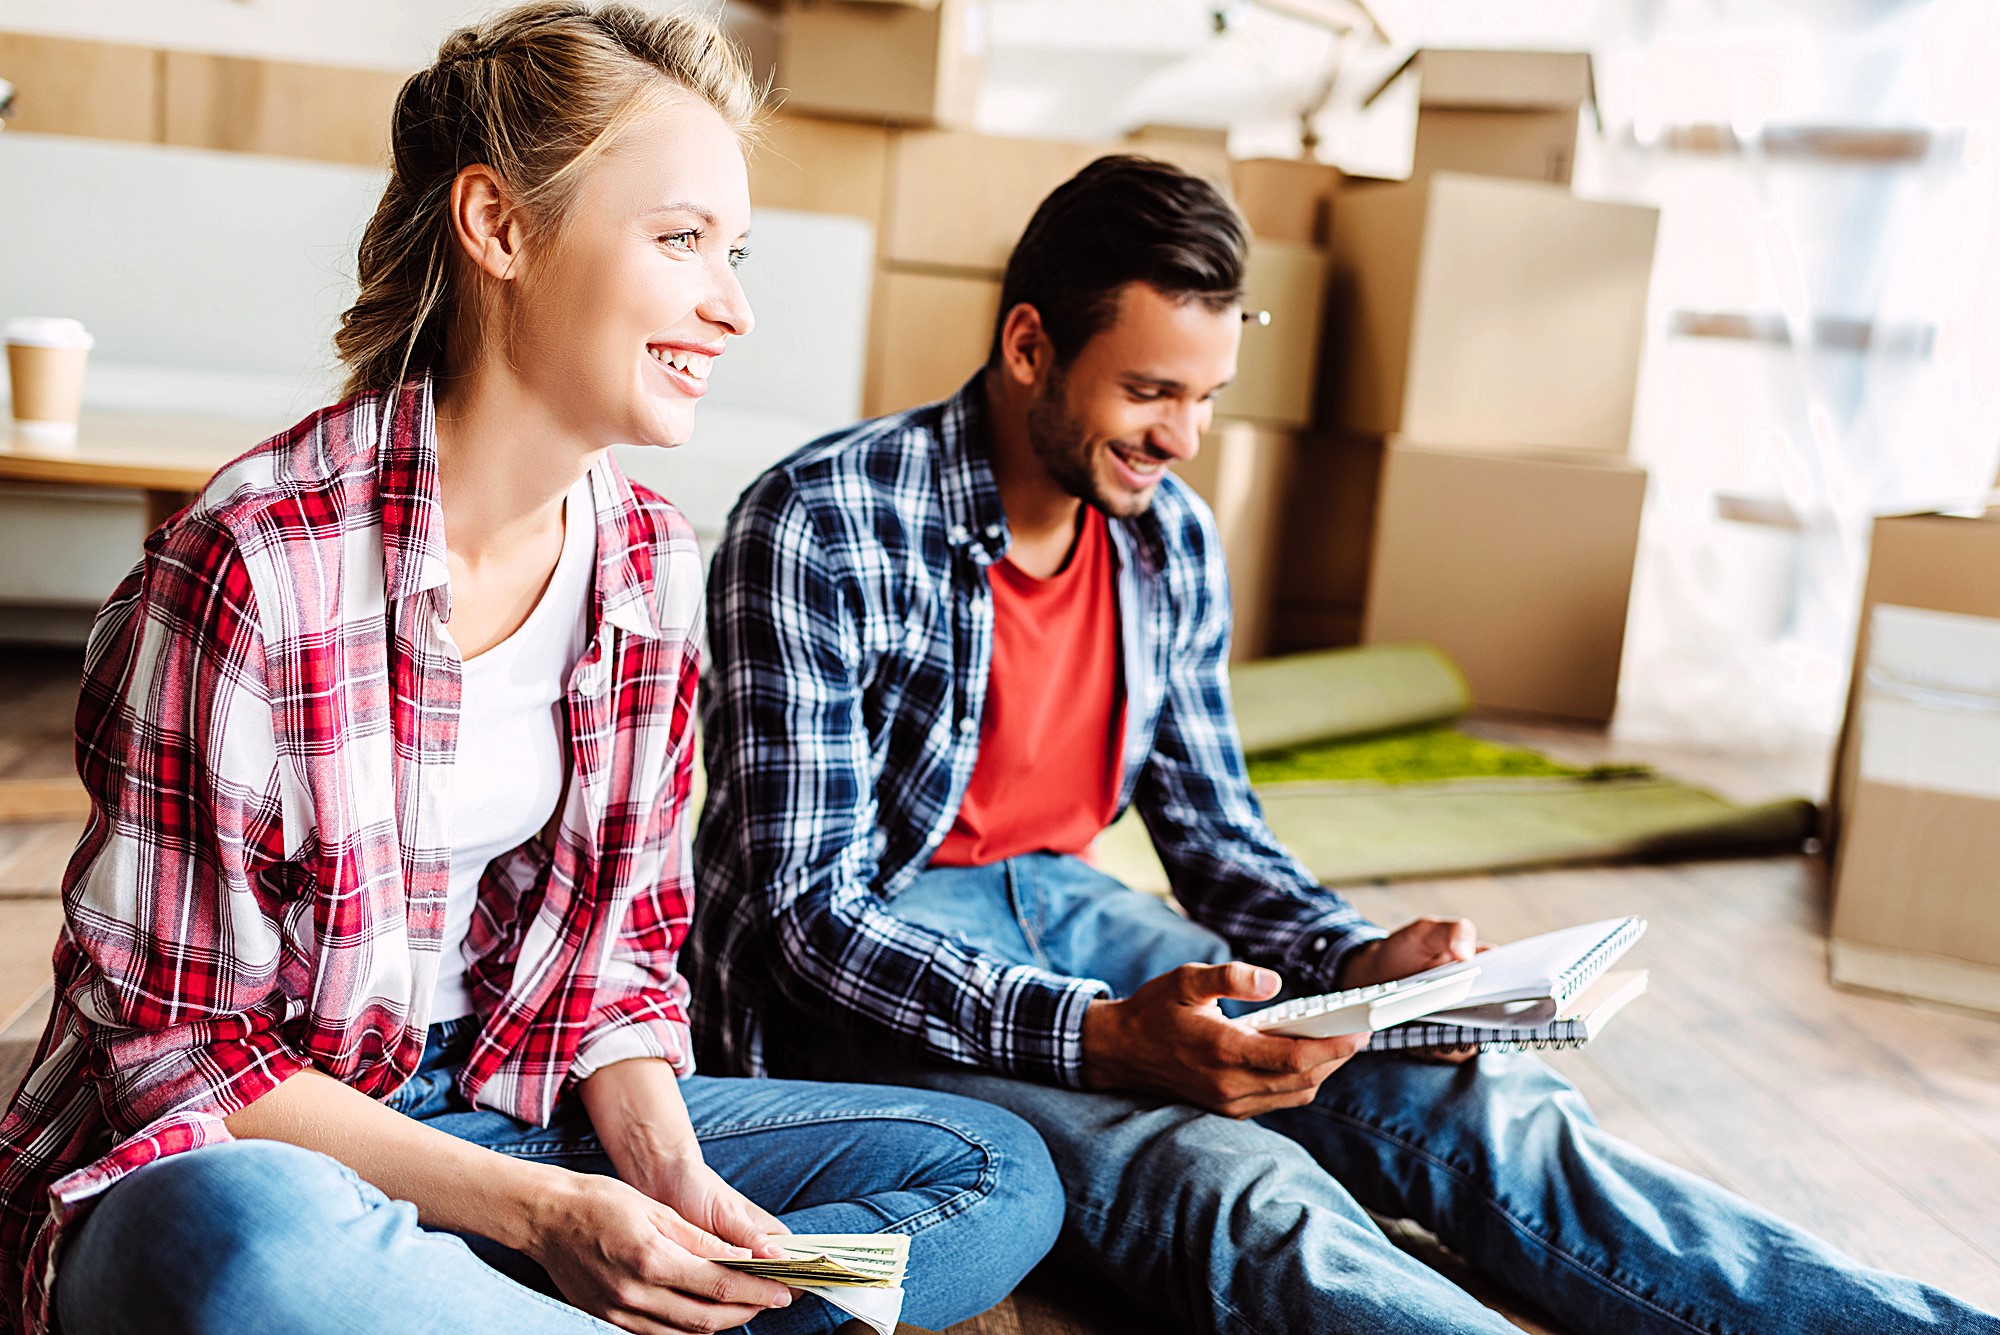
(1061, 444)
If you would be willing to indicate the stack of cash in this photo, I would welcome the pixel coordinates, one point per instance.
(833, 1260)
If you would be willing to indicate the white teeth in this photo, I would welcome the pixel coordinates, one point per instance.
(692, 364)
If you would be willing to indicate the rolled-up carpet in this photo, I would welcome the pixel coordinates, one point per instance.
(1360, 782)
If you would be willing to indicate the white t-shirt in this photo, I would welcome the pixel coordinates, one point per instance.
(507, 775)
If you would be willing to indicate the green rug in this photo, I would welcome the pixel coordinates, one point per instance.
(1422, 755)
(1360, 783)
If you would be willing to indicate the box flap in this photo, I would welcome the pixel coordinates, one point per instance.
(1498, 80)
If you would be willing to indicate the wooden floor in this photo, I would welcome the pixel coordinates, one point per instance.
(1873, 1121)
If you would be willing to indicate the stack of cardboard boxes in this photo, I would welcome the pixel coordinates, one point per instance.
(1484, 339)
(1480, 373)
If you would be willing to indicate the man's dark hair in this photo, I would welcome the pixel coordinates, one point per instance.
(1121, 220)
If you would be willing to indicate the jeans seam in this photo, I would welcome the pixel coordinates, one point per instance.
(1523, 1226)
(1017, 903)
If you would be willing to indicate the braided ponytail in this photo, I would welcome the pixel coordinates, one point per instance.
(536, 94)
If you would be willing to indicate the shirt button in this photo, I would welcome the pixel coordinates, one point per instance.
(956, 533)
(992, 530)
(1318, 946)
(967, 724)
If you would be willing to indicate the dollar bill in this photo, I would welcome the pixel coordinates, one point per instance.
(832, 1260)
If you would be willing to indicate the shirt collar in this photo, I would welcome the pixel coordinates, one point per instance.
(405, 422)
(972, 514)
(627, 592)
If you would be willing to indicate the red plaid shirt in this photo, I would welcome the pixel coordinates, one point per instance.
(269, 712)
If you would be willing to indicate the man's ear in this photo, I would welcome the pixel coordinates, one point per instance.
(484, 221)
(1026, 354)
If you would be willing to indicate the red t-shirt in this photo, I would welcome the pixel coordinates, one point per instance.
(1052, 737)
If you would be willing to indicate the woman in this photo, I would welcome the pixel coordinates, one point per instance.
(371, 935)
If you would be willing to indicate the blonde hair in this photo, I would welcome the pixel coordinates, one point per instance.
(536, 93)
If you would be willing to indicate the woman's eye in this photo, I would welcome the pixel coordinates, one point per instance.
(737, 256)
(683, 241)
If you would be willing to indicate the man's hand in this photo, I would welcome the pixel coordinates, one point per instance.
(1411, 948)
(1170, 1038)
(1414, 947)
(624, 1257)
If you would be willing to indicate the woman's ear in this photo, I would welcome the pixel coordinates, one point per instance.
(1025, 351)
(484, 221)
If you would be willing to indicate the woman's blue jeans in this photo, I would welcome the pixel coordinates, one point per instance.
(258, 1236)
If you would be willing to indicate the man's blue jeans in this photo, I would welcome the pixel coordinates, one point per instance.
(258, 1236)
(1260, 1226)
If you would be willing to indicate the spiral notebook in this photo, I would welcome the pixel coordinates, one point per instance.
(1578, 1023)
(1531, 993)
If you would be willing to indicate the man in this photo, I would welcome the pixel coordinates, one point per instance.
(949, 647)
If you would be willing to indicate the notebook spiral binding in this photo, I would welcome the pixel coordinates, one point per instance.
(1410, 1037)
(1580, 974)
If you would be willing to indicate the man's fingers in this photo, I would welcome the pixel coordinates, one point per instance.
(1268, 1052)
(1195, 984)
(1462, 940)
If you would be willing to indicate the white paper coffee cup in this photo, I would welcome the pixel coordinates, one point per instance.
(45, 360)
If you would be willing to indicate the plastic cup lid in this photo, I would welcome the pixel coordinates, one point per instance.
(47, 331)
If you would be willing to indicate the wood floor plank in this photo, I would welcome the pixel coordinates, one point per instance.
(18, 1041)
(1832, 1074)
(33, 858)
(27, 940)
(34, 800)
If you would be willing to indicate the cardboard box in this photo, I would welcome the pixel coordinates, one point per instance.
(66, 86)
(1277, 367)
(960, 200)
(1195, 150)
(1483, 312)
(1497, 113)
(928, 334)
(1917, 788)
(820, 166)
(328, 112)
(1286, 199)
(1328, 543)
(1519, 566)
(896, 63)
(1244, 471)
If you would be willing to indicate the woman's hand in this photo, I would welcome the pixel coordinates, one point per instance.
(622, 1256)
(699, 1195)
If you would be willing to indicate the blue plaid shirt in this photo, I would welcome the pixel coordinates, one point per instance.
(851, 633)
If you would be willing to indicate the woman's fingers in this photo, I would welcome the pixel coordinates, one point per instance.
(696, 1241)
